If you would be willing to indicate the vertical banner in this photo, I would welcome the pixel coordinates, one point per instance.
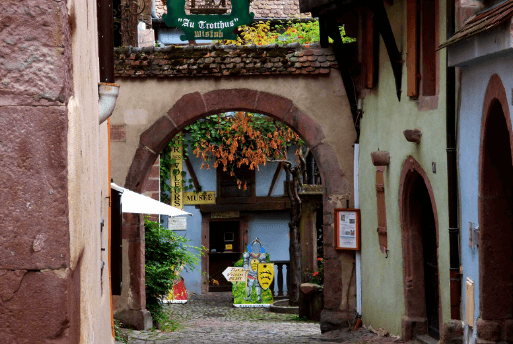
(176, 176)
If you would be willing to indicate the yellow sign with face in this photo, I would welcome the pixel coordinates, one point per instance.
(265, 275)
(254, 264)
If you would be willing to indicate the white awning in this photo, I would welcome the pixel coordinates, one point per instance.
(132, 202)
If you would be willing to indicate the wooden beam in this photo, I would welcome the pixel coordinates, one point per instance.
(275, 178)
(344, 62)
(323, 33)
(281, 204)
(384, 28)
(194, 178)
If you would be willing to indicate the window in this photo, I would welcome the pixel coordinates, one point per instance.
(228, 190)
(421, 47)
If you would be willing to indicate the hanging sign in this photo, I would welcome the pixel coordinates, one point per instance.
(176, 177)
(198, 27)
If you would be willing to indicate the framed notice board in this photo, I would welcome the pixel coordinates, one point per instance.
(347, 229)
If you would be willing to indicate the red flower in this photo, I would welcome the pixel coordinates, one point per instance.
(315, 274)
(319, 259)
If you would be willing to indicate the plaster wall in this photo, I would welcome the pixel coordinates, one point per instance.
(88, 182)
(382, 126)
(474, 82)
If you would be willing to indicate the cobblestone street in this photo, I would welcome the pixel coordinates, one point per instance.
(212, 319)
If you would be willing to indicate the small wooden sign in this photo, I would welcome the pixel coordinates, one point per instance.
(225, 214)
(347, 229)
(206, 197)
(233, 274)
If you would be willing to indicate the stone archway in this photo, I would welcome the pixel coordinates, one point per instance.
(419, 223)
(495, 217)
(337, 193)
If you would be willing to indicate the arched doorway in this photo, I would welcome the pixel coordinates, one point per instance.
(337, 194)
(419, 222)
(495, 214)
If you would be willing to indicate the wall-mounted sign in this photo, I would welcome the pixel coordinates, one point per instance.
(225, 214)
(177, 223)
(347, 229)
(206, 197)
(198, 27)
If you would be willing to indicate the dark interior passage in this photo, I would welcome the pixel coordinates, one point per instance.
(221, 254)
(496, 218)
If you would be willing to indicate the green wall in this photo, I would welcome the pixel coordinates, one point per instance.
(382, 125)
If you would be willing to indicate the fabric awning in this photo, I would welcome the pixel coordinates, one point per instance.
(132, 202)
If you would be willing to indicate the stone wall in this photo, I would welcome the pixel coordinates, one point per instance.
(52, 191)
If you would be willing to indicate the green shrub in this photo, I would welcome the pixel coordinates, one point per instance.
(165, 253)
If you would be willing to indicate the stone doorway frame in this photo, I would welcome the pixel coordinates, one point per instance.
(492, 325)
(414, 322)
(194, 106)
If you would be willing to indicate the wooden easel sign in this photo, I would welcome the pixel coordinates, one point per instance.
(347, 229)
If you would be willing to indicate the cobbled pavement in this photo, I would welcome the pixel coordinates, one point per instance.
(211, 318)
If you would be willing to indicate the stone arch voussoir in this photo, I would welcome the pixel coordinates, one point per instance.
(194, 106)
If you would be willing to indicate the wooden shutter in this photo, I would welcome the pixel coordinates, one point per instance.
(382, 213)
(412, 54)
(369, 51)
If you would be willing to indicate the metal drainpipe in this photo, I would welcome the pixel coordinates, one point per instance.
(452, 177)
(153, 12)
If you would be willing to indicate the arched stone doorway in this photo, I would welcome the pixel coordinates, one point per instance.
(339, 291)
(419, 222)
(495, 217)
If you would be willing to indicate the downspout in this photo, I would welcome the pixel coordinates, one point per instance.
(357, 206)
(153, 12)
(452, 177)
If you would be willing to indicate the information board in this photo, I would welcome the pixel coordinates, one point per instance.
(347, 229)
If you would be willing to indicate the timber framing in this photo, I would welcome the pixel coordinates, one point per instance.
(260, 204)
(329, 11)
